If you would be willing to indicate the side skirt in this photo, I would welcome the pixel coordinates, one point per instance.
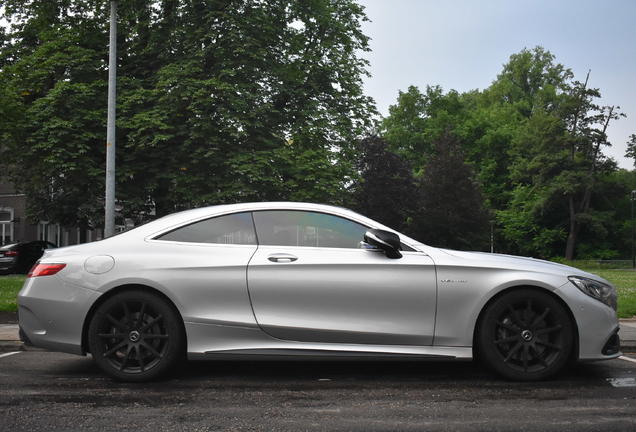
(211, 341)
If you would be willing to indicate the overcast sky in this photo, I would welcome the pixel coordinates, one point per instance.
(462, 45)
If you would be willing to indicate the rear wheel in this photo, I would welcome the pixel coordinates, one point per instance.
(135, 336)
(526, 335)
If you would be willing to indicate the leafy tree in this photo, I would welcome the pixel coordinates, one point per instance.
(452, 212)
(631, 148)
(218, 101)
(417, 119)
(386, 190)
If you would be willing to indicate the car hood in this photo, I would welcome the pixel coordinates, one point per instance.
(513, 262)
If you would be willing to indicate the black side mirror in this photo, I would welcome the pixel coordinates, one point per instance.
(387, 241)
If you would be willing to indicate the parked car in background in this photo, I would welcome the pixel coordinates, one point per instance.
(20, 257)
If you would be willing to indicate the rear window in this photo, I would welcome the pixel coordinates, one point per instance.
(236, 228)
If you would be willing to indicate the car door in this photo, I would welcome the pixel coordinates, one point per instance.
(310, 281)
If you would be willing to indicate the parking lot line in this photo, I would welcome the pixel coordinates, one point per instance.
(627, 359)
(9, 353)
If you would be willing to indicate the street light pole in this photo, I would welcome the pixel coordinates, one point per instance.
(633, 230)
(109, 208)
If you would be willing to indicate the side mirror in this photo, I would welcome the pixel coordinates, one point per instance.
(387, 241)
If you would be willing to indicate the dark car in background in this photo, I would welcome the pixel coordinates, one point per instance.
(20, 257)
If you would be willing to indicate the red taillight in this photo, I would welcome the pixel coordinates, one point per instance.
(11, 253)
(45, 269)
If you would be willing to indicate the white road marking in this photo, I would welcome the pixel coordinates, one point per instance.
(9, 354)
(622, 382)
(627, 359)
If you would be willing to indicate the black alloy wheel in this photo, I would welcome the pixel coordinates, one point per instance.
(135, 336)
(526, 335)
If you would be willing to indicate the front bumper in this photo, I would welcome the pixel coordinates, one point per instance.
(51, 313)
(596, 322)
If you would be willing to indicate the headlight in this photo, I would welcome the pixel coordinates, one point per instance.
(599, 290)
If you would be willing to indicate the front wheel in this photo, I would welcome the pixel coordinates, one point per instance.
(135, 336)
(526, 335)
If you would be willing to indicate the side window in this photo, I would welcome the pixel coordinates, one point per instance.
(300, 228)
(235, 228)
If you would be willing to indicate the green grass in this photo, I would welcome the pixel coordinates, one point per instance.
(9, 287)
(624, 280)
(625, 283)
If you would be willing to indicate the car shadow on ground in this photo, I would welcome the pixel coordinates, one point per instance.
(276, 373)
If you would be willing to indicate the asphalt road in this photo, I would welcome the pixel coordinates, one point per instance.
(49, 391)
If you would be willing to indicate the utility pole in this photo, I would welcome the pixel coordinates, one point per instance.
(633, 230)
(109, 210)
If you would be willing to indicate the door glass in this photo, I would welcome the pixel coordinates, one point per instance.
(235, 228)
(300, 228)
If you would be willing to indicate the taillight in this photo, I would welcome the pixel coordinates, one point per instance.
(11, 253)
(45, 269)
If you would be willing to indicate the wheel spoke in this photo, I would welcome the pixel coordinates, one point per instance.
(515, 318)
(114, 322)
(513, 351)
(154, 336)
(151, 349)
(525, 355)
(548, 344)
(140, 357)
(549, 329)
(127, 318)
(538, 319)
(539, 357)
(115, 348)
(142, 311)
(151, 323)
(125, 361)
(506, 340)
(111, 335)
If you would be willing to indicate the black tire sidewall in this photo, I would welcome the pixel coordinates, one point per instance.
(172, 323)
(488, 352)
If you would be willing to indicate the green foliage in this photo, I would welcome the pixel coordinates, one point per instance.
(535, 140)
(218, 101)
(631, 148)
(452, 212)
(386, 190)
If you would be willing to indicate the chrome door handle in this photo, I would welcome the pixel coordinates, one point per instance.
(282, 258)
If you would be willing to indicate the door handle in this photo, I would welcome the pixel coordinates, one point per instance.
(282, 258)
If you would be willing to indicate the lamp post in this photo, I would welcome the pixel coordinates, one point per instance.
(109, 201)
(633, 230)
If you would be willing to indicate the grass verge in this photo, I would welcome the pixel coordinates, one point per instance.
(9, 287)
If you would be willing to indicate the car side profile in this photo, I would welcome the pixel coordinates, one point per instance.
(312, 281)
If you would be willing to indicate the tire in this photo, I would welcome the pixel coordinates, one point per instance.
(525, 335)
(136, 336)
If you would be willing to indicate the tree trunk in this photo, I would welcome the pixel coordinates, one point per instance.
(571, 242)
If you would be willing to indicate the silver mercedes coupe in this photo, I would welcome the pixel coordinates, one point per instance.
(310, 281)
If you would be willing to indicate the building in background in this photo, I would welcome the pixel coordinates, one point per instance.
(15, 227)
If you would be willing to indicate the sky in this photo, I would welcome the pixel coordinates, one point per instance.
(463, 44)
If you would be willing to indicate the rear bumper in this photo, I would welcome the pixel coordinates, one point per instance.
(51, 313)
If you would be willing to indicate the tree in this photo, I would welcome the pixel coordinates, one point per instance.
(417, 119)
(386, 190)
(631, 148)
(452, 212)
(558, 151)
(218, 101)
